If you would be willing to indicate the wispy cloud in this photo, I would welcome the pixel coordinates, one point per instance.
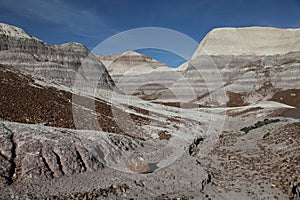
(81, 22)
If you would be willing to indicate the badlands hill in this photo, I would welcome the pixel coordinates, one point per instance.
(138, 74)
(231, 67)
(249, 64)
(129, 62)
(259, 41)
(58, 63)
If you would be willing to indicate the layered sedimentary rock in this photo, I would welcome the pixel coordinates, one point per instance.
(129, 62)
(246, 64)
(183, 66)
(250, 41)
(231, 67)
(107, 59)
(58, 63)
(140, 75)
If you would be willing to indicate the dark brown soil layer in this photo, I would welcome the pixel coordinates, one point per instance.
(23, 101)
(290, 97)
(292, 113)
(235, 99)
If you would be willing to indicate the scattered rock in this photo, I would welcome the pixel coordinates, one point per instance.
(137, 163)
(266, 135)
(193, 150)
(164, 135)
(259, 124)
(294, 189)
(166, 197)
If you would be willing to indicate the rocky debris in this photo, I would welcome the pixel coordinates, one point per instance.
(71, 173)
(206, 181)
(115, 190)
(258, 167)
(266, 135)
(136, 163)
(141, 120)
(294, 191)
(123, 143)
(259, 124)
(165, 197)
(21, 100)
(58, 63)
(193, 149)
(164, 135)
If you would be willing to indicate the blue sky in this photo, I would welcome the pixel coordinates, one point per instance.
(90, 22)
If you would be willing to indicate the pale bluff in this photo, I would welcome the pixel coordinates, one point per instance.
(255, 64)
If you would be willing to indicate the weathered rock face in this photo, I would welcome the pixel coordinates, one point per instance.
(248, 64)
(54, 62)
(129, 62)
(231, 67)
(140, 75)
(137, 163)
(39, 152)
(260, 41)
(107, 59)
(32, 153)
